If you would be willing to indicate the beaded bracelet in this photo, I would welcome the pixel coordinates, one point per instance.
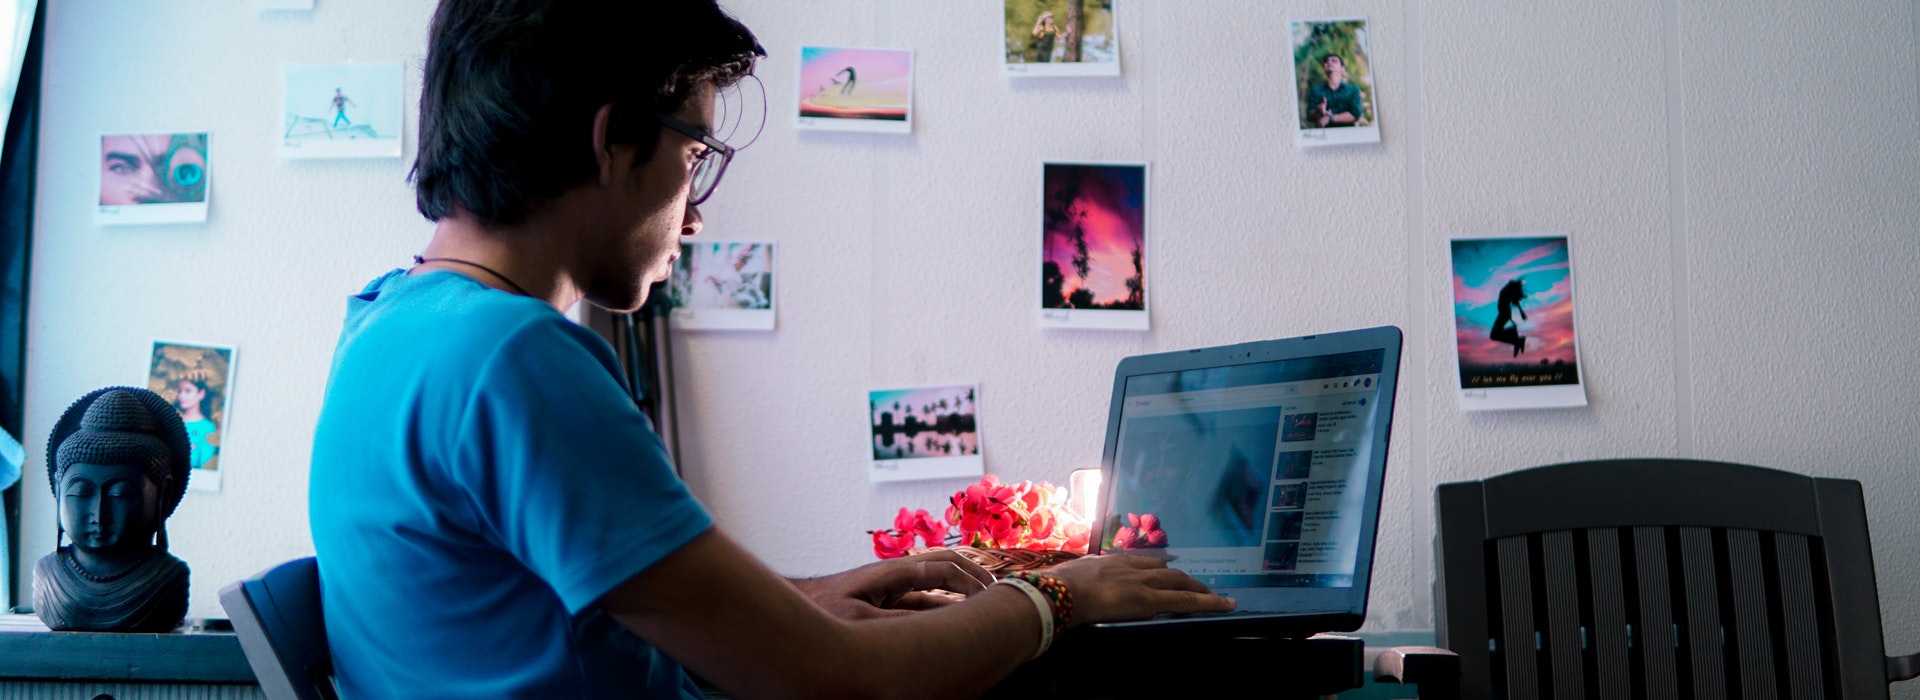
(1040, 605)
(1055, 590)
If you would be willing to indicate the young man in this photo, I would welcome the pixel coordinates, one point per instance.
(1336, 103)
(493, 516)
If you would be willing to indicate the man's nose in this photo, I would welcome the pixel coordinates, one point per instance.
(692, 223)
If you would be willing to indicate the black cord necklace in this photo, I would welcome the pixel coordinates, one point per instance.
(73, 563)
(417, 260)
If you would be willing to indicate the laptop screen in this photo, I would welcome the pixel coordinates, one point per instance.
(1257, 473)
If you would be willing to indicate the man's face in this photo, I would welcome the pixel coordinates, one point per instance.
(1336, 69)
(149, 168)
(655, 212)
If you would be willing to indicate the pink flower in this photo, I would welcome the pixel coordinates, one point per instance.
(990, 513)
(1077, 542)
(1041, 524)
(931, 530)
(904, 521)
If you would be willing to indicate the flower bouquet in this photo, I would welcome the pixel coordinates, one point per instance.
(1002, 527)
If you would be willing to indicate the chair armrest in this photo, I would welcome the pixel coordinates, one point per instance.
(1435, 670)
(1900, 668)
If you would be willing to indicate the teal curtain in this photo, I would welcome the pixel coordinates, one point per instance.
(16, 243)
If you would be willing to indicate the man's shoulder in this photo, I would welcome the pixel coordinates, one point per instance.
(448, 306)
(443, 323)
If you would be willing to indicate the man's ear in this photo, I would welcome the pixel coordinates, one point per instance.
(601, 155)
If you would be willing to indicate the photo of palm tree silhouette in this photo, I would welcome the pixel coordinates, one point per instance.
(923, 422)
(1094, 237)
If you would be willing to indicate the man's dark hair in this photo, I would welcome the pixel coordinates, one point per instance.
(511, 88)
(1334, 56)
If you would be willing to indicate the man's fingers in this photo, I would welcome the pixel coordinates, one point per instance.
(1191, 602)
(872, 612)
(1144, 561)
(972, 568)
(926, 600)
(922, 575)
(1174, 580)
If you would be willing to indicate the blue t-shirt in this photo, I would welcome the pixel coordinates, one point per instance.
(481, 478)
(203, 449)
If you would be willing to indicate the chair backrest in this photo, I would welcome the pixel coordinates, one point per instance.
(1658, 578)
(276, 614)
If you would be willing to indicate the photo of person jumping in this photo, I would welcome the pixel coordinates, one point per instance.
(1504, 329)
(1513, 311)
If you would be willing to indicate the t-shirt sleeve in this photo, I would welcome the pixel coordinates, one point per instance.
(564, 470)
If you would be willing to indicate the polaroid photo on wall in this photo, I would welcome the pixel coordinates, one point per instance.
(1333, 79)
(1093, 242)
(1513, 323)
(1045, 39)
(845, 89)
(153, 178)
(341, 110)
(197, 379)
(928, 432)
(723, 286)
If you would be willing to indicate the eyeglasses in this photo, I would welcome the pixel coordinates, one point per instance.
(711, 165)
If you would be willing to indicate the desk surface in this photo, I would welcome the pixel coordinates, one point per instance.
(1176, 666)
(28, 650)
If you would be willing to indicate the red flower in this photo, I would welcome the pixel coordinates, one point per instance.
(1145, 533)
(931, 530)
(989, 513)
(891, 544)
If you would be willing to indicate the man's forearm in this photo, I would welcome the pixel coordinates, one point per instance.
(721, 613)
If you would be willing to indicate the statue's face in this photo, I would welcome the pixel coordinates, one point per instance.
(108, 507)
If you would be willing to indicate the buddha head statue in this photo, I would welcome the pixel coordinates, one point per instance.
(118, 466)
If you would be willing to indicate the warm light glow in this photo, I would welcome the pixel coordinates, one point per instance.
(1083, 492)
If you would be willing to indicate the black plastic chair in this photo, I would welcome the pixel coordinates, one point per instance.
(276, 614)
(1654, 578)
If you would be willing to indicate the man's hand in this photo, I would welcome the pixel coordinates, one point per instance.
(897, 586)
(1325, 116)
(1121, 587)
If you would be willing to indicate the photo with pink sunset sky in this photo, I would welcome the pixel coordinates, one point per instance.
(922, 422)
(858, 84)
(1513, 312)
(1094, 228)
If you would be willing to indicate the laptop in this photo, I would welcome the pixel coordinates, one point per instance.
(1257, 468)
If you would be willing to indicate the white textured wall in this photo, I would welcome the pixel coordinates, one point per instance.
(285, 242)
(1739, 181)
